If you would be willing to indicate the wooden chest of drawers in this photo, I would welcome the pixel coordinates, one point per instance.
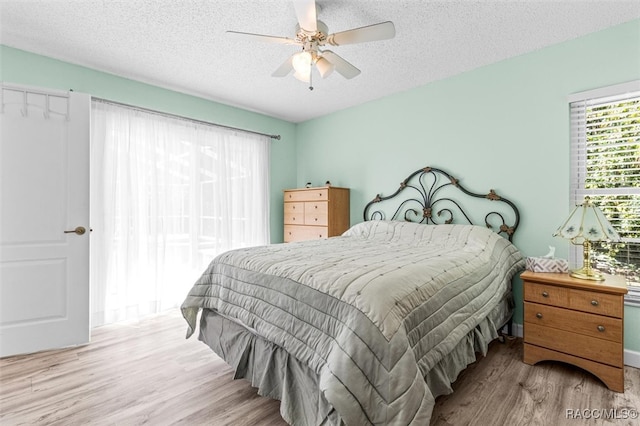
(315, 213)
(576, 321)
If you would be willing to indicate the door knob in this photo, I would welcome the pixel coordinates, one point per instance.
(79, 230)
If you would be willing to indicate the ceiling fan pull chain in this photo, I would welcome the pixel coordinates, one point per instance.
(310, 74)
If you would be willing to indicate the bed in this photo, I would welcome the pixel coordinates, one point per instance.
(371, 326)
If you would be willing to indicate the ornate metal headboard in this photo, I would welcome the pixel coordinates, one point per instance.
(429, 194)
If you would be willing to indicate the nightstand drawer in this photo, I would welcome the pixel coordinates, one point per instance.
(571, 343)
(546, 294)
(598, 303)
(592, 325)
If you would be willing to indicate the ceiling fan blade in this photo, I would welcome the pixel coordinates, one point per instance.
(284, 69)
(343, 67)
(266, 38)
(306, 14)
(381, 31)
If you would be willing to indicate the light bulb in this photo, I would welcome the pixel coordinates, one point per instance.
(302, 77)
(302, 63)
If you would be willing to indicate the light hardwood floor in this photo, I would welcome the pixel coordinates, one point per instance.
(147, 373)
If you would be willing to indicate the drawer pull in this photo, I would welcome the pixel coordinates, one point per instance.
(601, 328)
(545, 294)
(538, 315)
(594, 302)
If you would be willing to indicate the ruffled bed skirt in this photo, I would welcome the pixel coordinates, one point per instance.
(278, 375)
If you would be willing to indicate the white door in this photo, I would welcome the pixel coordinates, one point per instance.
(44, 193)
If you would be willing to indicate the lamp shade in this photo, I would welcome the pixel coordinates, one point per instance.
(587, 223)
(302, 77)
(324, 67)
(302, 62)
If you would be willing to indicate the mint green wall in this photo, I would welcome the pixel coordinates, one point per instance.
(504, 126)
(17, 66)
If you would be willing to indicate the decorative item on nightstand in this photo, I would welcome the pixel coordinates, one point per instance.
(547, 263)
(587, 224)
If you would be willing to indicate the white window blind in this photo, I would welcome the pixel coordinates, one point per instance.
(605, 165)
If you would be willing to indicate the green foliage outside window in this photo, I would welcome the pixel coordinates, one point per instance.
(613, 173)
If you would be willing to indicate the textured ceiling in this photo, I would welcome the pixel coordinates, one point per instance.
(182, 45)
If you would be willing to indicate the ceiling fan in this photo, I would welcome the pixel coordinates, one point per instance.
(312, 34)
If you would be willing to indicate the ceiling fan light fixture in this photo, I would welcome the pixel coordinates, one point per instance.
(324, 67)
(302, 77)
(302, 62)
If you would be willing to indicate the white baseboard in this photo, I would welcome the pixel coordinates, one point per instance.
(631, 358)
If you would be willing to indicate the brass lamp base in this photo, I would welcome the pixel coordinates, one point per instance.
(587, 274)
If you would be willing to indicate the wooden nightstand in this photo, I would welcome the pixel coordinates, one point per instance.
(576, 321)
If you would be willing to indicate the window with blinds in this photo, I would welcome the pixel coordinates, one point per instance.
(605, 165)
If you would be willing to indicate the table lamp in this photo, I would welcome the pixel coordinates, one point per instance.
(587, 224)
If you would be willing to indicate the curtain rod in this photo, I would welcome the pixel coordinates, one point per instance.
(181, 117)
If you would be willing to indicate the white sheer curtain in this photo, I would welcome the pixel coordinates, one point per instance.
(167, 195)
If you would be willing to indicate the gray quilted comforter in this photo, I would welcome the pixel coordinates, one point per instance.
(370, 312)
